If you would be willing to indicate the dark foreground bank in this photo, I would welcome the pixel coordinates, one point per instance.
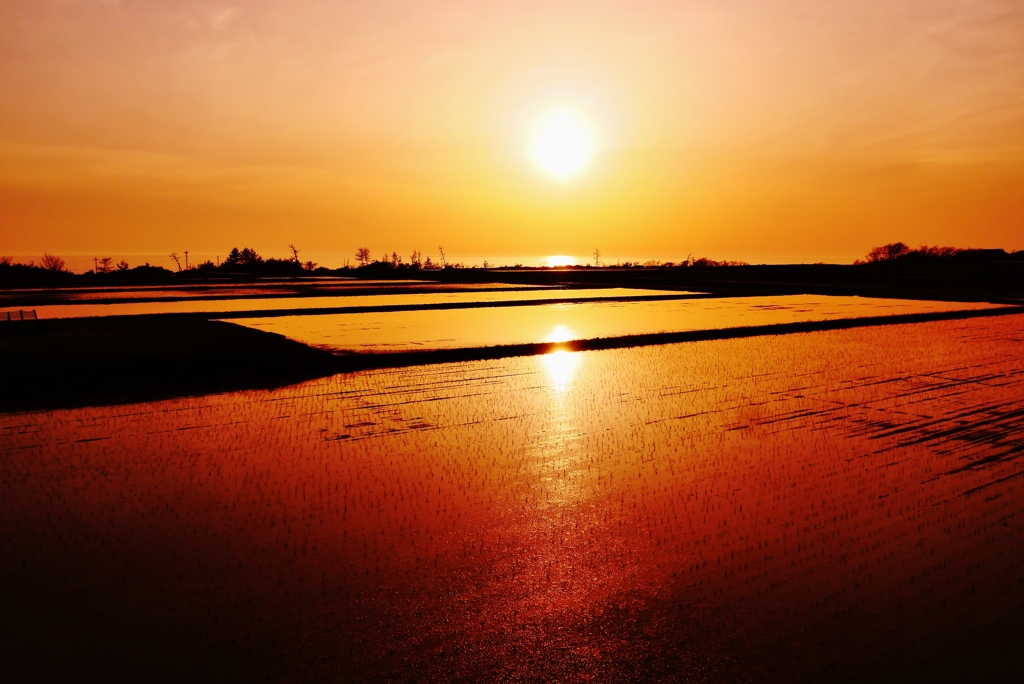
(96, 361)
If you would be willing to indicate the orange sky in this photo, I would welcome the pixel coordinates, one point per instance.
(768, 131)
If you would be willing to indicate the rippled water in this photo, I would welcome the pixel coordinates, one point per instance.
(429, 329)
(803, 506)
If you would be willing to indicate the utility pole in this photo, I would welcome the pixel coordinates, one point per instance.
(95, 265)
(444, 264)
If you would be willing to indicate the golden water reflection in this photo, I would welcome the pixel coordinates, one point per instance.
(405, 296)
(481, 327)
(561, 363)
(554, 452)
(560, 366)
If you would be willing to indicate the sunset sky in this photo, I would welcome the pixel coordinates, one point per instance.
(784, 130)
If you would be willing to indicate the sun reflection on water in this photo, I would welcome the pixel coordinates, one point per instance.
(560, 364)
(560, 333)
(562, 486)
(557, 462)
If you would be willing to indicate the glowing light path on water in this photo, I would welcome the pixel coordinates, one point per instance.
(560, 364)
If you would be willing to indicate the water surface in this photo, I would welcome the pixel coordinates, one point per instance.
(429, 329)
(400, 297)
(830, 505)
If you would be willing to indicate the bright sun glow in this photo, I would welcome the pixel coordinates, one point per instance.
(562, 144)
(560, 260)
(560, 333)
(561, 366)
(560, 363)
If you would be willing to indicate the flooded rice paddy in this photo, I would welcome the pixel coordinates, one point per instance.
(258, 287)
(483, 327)
(837, 505)
(399, 297)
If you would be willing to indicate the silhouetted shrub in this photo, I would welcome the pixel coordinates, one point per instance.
(898, 252)
(889, 252)
(52, 263)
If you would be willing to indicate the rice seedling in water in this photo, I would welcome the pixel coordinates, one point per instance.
(712, 507)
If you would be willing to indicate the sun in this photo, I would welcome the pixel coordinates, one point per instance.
(562, 144)
(556, 260)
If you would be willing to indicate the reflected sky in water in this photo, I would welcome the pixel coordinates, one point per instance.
(446, 329)
(402, 296)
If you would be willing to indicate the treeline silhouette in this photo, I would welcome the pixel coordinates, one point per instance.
(902, 254)
(51, 269)
(247, 262)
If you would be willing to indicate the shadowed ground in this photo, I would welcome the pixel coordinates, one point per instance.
(79, 362)
(984, 281)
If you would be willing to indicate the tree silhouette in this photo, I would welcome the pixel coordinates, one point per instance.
(249, 257)
(889, 252)
(246, 257)
(363, 256)
(52, 263)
